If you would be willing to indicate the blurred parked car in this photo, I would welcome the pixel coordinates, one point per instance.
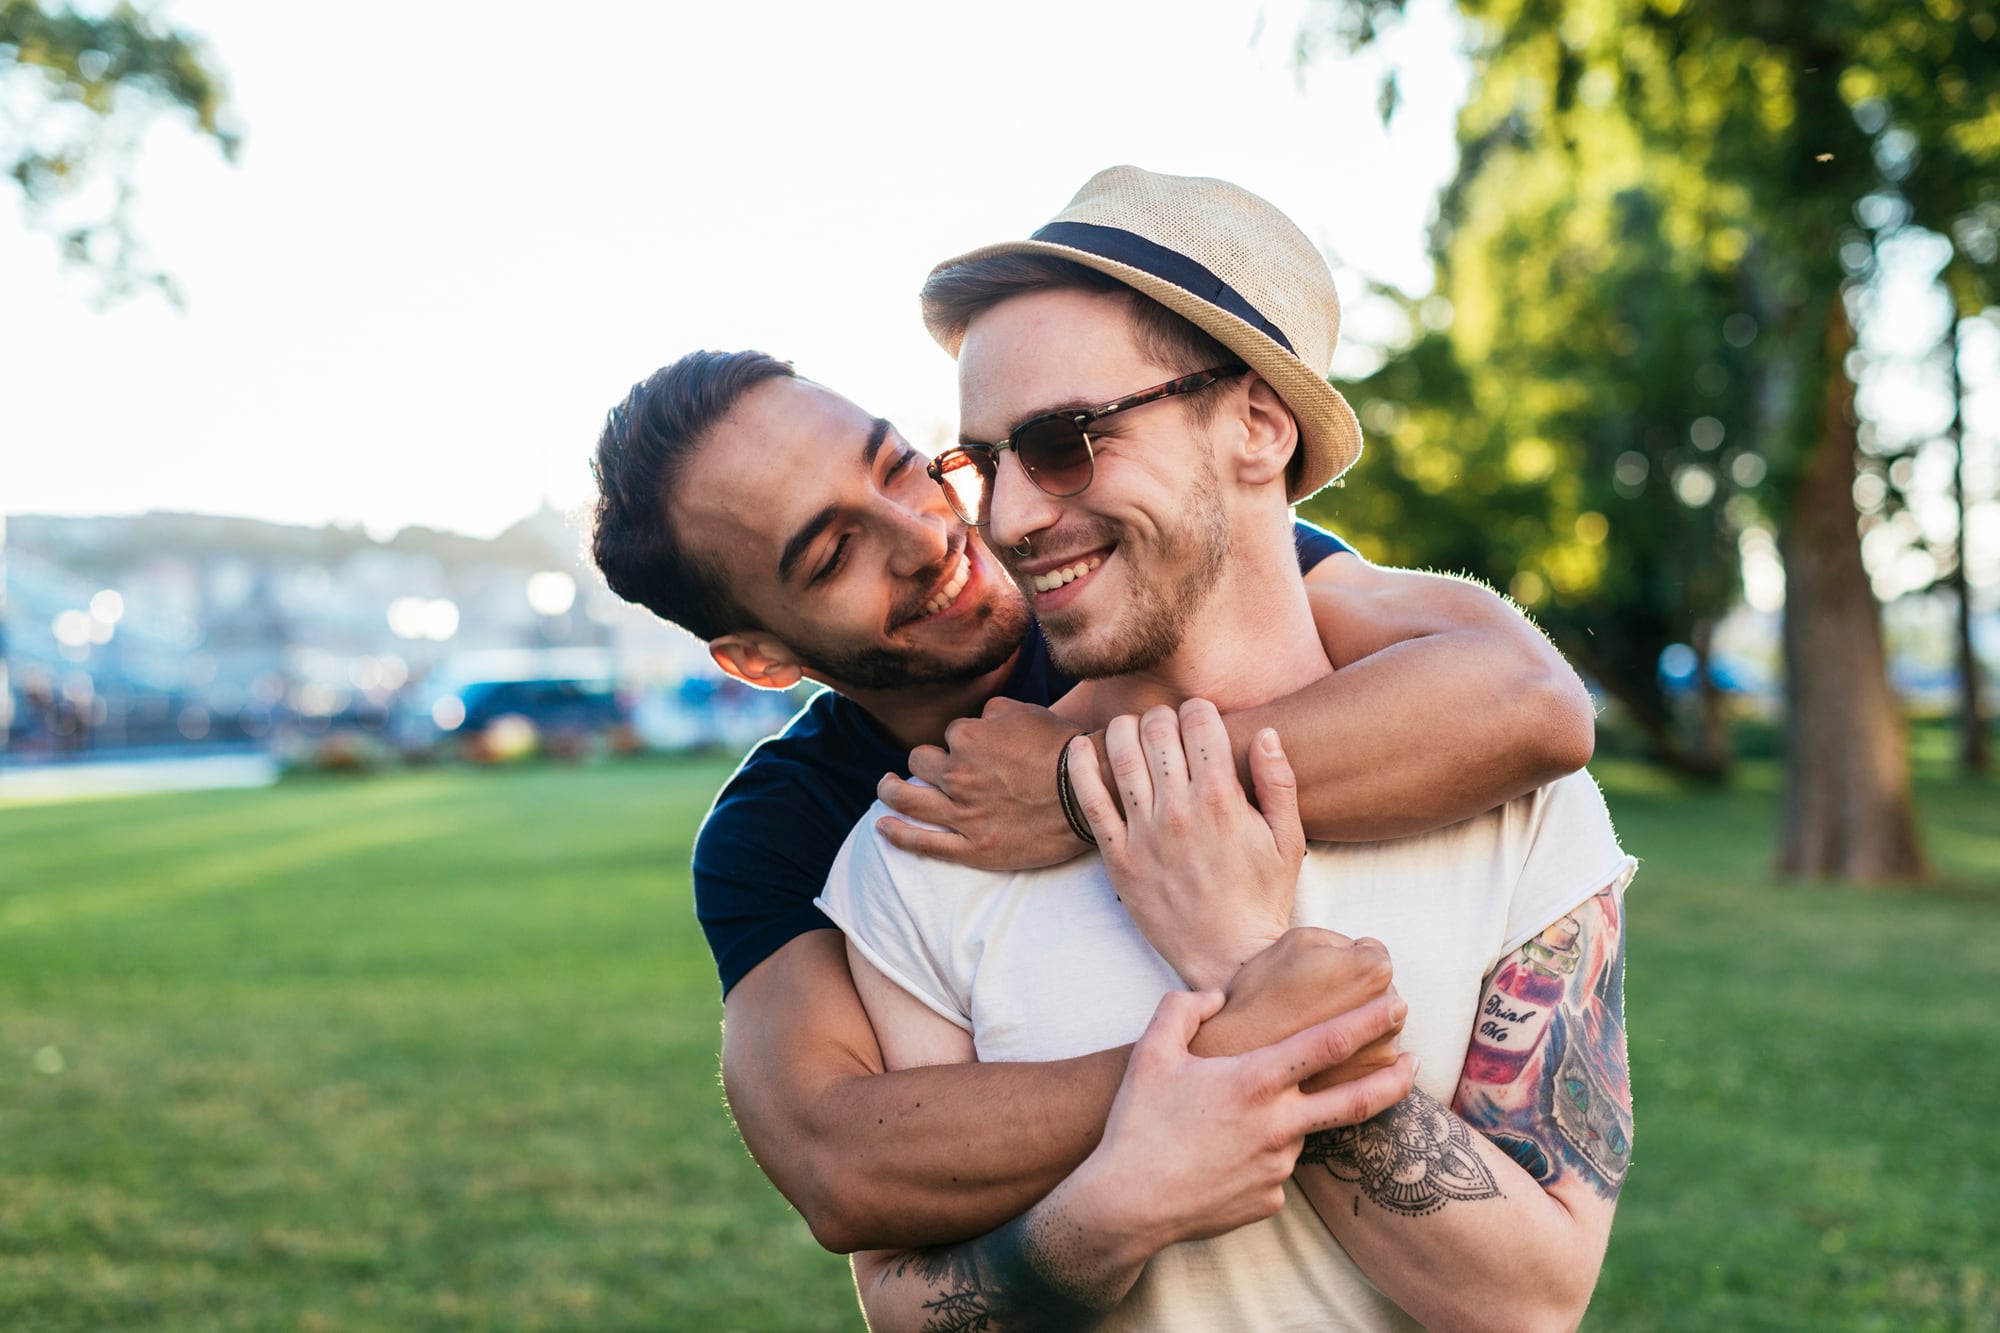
(505, 705)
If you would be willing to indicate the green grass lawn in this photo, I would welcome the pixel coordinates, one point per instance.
(437, 1050)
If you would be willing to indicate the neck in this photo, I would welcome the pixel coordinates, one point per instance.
(918, 714)
(1254, 641)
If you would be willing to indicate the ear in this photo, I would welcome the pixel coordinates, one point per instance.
(1270, 434)
(756, 659)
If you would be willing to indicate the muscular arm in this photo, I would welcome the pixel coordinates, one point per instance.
(1193, 1147)
(1446, 703)
(1494, 1212)
(877, 1160)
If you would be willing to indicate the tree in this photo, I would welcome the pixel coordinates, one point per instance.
(1607, 503)
(78, 91)
(83, 88)
(1756, 127)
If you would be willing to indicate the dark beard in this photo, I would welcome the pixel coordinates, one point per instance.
(1003, 626)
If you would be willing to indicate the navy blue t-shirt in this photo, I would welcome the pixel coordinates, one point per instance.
(772, 835)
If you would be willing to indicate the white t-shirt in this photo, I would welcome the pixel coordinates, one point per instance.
(1046, 964)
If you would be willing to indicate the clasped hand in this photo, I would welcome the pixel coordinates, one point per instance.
(988, 793)
(1208, 878)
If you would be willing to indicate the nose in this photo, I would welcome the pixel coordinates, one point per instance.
(919, 538)
(1019, 508)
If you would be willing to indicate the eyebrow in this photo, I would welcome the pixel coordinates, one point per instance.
(808, 533)
(1074, 405)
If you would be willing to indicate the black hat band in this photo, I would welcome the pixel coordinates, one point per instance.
(1170, 266)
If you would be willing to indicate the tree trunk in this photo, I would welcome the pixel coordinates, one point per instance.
(1973, 756)
(1716, 751)
(1847, 807)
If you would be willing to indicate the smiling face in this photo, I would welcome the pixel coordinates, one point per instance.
(822, 522)
(1118, 573)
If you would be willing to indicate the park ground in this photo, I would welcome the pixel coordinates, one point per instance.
(436, 1050)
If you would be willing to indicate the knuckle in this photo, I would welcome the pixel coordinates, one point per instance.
(1315, 937)
(1199, 710)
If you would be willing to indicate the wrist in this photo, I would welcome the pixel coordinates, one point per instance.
(1108, 1225)
(1072, 808)
(1219, 966)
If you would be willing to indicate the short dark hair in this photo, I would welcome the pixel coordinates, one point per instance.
(954, 297)
(647, 444)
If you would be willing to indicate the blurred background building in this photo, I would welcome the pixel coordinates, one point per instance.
(196, 633)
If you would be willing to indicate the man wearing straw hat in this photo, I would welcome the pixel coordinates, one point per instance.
(1145, 509)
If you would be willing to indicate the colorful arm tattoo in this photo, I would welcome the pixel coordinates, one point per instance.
(1546, 1077)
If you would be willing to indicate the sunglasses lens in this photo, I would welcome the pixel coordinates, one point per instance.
(1056, 456)
(967, 478)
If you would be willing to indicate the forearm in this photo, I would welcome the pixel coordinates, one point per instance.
(1424, 733)
(886, 1160)
(1050, 1270)
(920, 1156)
(1448, 1226)
(876, 1160)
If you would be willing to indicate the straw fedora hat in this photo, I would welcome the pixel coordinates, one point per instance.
(1229, 263)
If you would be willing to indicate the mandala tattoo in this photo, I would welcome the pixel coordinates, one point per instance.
(969, 1311)
(996, 1285)
(1412, 1159)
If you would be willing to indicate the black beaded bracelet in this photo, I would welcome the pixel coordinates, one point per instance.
(1066, 796)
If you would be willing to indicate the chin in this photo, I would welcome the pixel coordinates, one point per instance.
(1117, 650)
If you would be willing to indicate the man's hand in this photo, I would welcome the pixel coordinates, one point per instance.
(1196, 1147)
(1310, 975)
(992, 792)
(1208, 879)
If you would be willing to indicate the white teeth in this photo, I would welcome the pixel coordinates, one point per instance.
(949, 593)
(1056, 578)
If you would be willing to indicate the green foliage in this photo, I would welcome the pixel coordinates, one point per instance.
(87, 86)
(438, 1050)
(1645, 248)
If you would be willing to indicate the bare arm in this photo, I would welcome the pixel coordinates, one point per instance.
(1447, 702)
(1494, 1212)
(1492, 1215)
(874, 1159)
(1193, 1148)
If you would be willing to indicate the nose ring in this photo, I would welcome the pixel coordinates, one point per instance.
(1025, 547)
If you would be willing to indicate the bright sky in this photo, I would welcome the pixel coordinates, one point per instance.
(459, 232)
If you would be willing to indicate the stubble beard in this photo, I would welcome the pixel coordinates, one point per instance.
(1158, 611)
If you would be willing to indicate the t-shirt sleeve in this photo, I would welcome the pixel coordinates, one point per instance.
(1566, 851)
(1314, 544)
(874, 894)
(753, 892)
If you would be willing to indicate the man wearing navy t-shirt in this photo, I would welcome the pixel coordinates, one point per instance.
(802, 539)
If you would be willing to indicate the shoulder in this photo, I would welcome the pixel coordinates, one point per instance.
(1570, 808)
(869, 863)
(1314, 544)
(824, 764)
(1561, 840)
